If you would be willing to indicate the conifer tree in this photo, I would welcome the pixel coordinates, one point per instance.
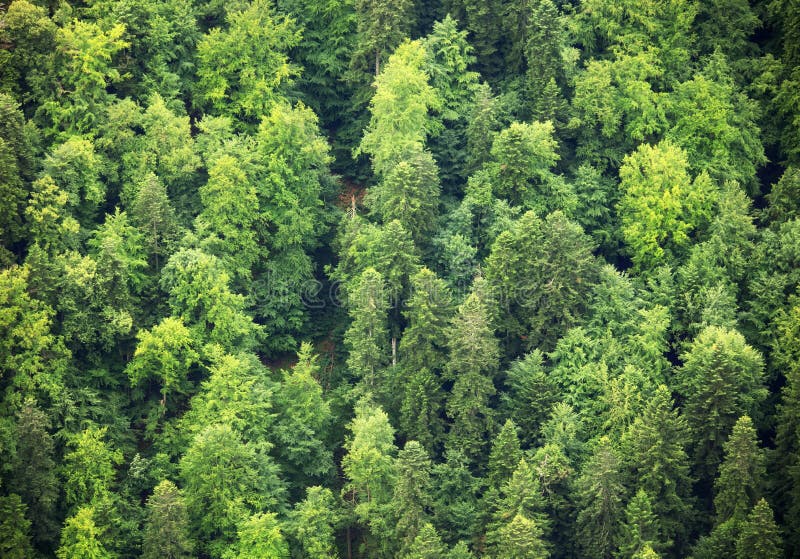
(655, 454)
(640, 530)
(368, 335)
(741, 475)
(166, 532)
(411, 500)
(599, 492)
(505, 455)
(759, 537)
(473, 363)
(721, 380)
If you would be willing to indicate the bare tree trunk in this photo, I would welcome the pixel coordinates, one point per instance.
(377, 62)
(394, 351)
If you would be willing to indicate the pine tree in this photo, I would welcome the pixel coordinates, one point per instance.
(313, 522)
(505, 455)
(371, 471)
(33, 473)
(721, 380)
(528, 396)
(368, 335)
(521, 539)
(655, 454)
(409, 193)
(81, 538)
(422, 355)
(426, 545)
(519, 501)
(473, 363)
(760, 536)
(15, 527)
(166, 531)
(741, 474)
(599, 492)
(411, 499)
(640, 530)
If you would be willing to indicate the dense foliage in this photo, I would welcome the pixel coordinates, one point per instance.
(393, 278)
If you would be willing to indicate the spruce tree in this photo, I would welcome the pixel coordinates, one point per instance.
(367, 337)
(599, 492)
(655, 454)
(474, 355)
(741, 475)
(759, 537)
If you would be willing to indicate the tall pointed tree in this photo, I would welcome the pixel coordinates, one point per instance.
(655, 454)
(721, 380)
(474, 355)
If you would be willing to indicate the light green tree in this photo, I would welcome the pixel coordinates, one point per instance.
(661, 206)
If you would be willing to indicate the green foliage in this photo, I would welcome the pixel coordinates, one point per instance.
(654, 449)
(661, 205)
(599, 491)
(32, 359)
(82, 538)
(259, 537)
(741, 474)
(381, 26)
(166, 528)
(541, 271)
(304, 418)
(243, 69)
(522, 156)
(225, 480)
(230, 211)
(368, 335)
(400, 108)
(408, 193)
(14, 529)
(640, 530)
(759, 536)
(166, 352)
(473, 363)
(89, 468)
(33, 473)
(411, 499)
(84, 69)
(200, 295)
(312, 523)
(371, 471)
(721, 380)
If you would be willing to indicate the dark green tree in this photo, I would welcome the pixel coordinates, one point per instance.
(721, 380)
(412, 494)
(166, 531)
(655, 454)
(599, 492)
(15, 538)
(473, 363)
(640, 529)
(760, 536)
(741, 475)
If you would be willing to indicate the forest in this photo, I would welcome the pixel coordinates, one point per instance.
(370, 279)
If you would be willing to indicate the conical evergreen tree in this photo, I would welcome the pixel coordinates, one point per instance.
(521, 539)
(654, 448)
(368, 336)
(599, 491)
(741, 475)
(505, 455)
(640, 530)
(759, 537)
(426, 545)
(411, 500)
(473, 363)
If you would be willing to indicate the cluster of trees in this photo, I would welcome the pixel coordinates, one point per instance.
(359, 278)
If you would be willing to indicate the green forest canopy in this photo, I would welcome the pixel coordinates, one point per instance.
(385, 278)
